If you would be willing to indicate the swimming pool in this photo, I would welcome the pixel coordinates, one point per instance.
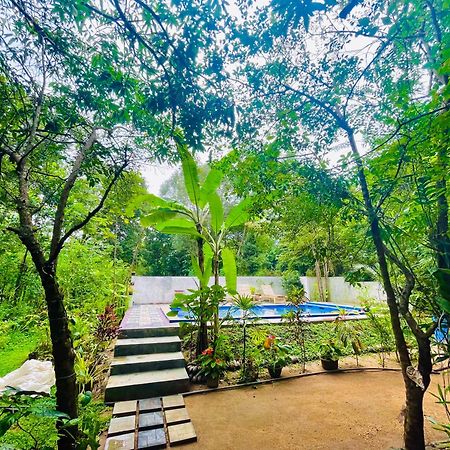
(309, 310)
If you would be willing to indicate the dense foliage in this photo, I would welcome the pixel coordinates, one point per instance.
(330, 119)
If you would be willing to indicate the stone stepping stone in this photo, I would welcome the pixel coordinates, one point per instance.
(121, 425)
(182, 433)
(179, 415)
(152, 439)
(151, 420)
(126, 408)
(121, 442)
(150, 404)
(173, 401)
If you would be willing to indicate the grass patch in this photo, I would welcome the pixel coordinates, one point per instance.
(15, 347)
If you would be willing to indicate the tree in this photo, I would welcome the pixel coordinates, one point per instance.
(323, 95)
(80, 84)
(46, 157)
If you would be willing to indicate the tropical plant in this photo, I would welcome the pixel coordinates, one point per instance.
(201, 304)
(275, 354)
(245, 306)
(175, 218)
(212, 366)
(349, 333)
(329, 350)
(295, 318)
(216, 233)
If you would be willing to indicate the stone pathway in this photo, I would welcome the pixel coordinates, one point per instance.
(144, 316)
(151, 423)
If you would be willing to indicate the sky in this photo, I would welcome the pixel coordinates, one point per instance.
(155, 175)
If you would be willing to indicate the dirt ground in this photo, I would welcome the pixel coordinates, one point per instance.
(359, 410)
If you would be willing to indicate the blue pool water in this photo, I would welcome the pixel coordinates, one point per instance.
(270, 311)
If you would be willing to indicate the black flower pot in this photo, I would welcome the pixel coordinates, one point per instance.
(212, 382)
(329, 364)
(275, 372)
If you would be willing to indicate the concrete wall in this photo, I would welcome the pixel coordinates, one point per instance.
(342, 292)
(162, 289)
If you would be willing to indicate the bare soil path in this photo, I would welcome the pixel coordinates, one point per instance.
(351, 411)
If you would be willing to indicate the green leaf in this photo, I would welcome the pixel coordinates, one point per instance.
(177, 226)
(229, 269)
(149, 202)
(208, 270)
(190, 174)
(71, 422)
(238, 215)
(364, 22)
(158, 216)
(7, 422)
(444, 304)
(197, 271)
(211, 184)
(216, 211)
(443, 278)
(85, 398)
(207, 250)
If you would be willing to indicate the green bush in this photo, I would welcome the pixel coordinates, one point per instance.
(292, 285)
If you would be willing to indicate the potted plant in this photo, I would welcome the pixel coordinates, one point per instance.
(211, 366)
(275, 356)
(329, 355)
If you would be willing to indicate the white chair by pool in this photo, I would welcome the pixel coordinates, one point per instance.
(269, 295)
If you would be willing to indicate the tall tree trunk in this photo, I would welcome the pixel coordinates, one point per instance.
(62, 348)
(63, 356)
(413, 425)
(319, 280)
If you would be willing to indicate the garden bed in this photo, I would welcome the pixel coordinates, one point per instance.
(313, 335)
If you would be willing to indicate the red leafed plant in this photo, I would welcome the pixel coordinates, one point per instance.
(108, 325)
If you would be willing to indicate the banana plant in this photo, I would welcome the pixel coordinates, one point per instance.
(173, 217)
(204, 220)
(215, 233)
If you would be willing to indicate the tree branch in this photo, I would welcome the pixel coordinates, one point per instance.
(68, 185)
(406, 294)
(34, 24)
(89, 216)
(341, 122)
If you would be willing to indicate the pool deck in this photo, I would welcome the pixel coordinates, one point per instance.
(145, 316)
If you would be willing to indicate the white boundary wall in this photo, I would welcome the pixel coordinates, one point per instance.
(340, 291)
(162, 289)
